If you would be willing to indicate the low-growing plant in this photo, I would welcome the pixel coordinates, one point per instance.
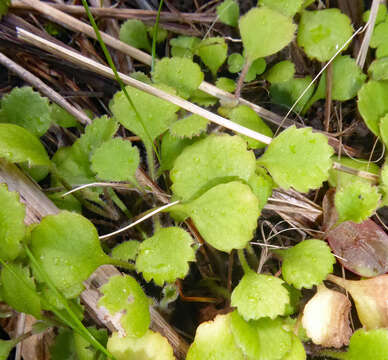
(219, 183)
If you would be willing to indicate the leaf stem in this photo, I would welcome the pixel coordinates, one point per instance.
(123, 264)
(333, 354)
(155, 35)
(241, 78)
(243, 261)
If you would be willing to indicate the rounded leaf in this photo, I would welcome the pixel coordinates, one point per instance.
(164, 257)
(226, 215)
(151, 346)
(67, 248)
(280, 72)
(371, 344)
(26, 108)
(378, 70)
(124, 296)
(265, 32)
(155, 114)
(116, 159)
(210, 161)
(372, 103)
(286, 7)
(213, 51)
(228, 12)
(126, 251)
(357, 201)
(235, 63)
(12, 228)
(134, 33)
(214, 340)
(257, 296)
(287, 161)
(322, 33)
(307, 263)
(19, 145)
(248, 118)
(180, 73)
(188, 127)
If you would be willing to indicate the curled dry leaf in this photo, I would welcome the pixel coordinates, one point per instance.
(370, 297)
(326, 318)
(361, 248)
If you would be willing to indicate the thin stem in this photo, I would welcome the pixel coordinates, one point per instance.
(333, 354)
(113, 67)
(77, 324)
(329, 86)
(155, 35)
(122, 264)
(241, 78)
(243, 261)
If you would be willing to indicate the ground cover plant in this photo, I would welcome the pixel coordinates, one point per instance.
(240, 231)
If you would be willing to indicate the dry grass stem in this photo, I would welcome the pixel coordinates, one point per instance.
(106, 71)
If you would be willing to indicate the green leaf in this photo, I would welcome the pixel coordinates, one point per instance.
(123, 295)
(378, 70)
(134, 33)
(286, 7)
(257, 68)
(99, 131)
(26, 108)
(6, 346)
(371, 344)
(184, 46)
(384, 184)
(12, 228)
(288, 164)
(248, 118)
(281, 72)
(382, 50)
(63, 347)
(126, 251)
(372, 103)
(210, 161)
(69, 202)
(357, 201)
(379, 36)
(226, 84)
(381, 14)
(116, 160)
(67, 248)
(341, 179)
(264, 339)
(347, 79)
(161, 34)
(188, 127)
(214, 340)
(274, 30)
(228, 12)
(226, 215)
(257, 296)
(180, 73)
(171, 148)
(19, 289)
(156, 114)
(261, 184)
(84, 349)
(164, 257)
(151, 346)
(61, 117)
(213, 52)
(297, 351)
(287, 92)
(307, 263)
(19, 145)
(235, 63)
(4, 4)
(322, 33)
(203, 99)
